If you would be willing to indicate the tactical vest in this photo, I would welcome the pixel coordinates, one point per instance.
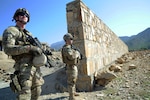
(66, 60)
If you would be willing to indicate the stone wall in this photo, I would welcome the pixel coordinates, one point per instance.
(97, 42)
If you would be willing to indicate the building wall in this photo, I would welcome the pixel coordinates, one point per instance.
(97, 42)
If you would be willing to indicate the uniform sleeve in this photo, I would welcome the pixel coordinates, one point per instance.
(8, 42)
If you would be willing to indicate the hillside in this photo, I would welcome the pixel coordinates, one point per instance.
(57, 45)
(139, 41)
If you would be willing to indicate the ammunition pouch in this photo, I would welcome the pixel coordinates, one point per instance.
(14, 84)
(19, 57)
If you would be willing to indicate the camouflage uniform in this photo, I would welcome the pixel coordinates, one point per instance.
(70, 58)
(28, 77)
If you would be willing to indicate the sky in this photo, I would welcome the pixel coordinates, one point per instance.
(48, 17)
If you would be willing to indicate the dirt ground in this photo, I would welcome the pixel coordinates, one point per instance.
(130, 84)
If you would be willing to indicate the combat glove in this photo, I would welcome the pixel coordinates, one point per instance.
(35, 50)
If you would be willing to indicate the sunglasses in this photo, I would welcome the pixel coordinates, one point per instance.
(23, 14)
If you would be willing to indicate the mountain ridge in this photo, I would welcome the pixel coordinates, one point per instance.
(57, 45)
(139, 41)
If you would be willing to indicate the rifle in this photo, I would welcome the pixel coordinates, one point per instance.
(36, 42)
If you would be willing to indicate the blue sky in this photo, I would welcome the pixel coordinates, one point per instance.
(48, 17)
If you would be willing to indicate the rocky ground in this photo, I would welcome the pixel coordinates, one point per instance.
(132, 80)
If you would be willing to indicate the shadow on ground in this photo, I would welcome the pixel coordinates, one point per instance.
(57, 77)
(7, 94)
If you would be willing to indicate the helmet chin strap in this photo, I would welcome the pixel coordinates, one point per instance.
(21, 22)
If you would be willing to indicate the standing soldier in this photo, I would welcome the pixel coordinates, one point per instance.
(70, 58)
(27, 80)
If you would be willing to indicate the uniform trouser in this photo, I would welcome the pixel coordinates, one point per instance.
(30, 81)
(72, 73)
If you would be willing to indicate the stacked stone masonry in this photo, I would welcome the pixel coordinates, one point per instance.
(96, 41)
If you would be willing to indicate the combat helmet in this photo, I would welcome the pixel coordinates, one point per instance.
(21, 10)
(67, 36)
